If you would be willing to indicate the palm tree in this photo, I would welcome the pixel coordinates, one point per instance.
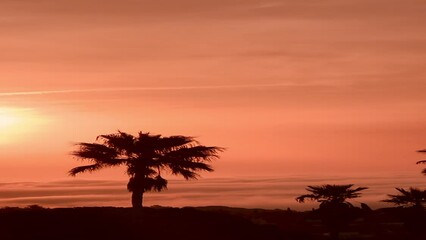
(146, 157)
(422, 161)
(331, 194)
(414, 214)
(413, 197)
(335, 211)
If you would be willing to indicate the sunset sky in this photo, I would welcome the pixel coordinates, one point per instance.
(323, 87)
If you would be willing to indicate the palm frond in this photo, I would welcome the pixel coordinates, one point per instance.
(87, 168)
(176, 163)
(133, 169)
(146, 143)
(158, 184)
(410, 197)
(422, 161)
(122, 142)
(195, 153)
(302, 198)
(187, 174)
(146, 184)
(167, 144)
(331, 193)
(98, 153)
(94, 151)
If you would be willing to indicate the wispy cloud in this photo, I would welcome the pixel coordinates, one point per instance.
(130, 89)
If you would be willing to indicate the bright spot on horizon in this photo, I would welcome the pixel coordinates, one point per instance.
(7, 119)
(16, 122)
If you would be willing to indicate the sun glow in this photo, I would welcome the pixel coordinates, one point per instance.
(7, 120)
(17, 122)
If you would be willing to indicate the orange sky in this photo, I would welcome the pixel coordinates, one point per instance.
(288, 87)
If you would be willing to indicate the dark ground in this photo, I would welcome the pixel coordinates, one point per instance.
(201, 223)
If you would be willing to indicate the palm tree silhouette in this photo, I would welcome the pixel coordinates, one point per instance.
(422, 161)
(414, 214)
(335, 211)
(413, 197)
(331, 194)
(146, 157)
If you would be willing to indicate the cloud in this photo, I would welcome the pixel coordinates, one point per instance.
(210, 87)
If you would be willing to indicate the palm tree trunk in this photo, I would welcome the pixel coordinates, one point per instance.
(137, 198)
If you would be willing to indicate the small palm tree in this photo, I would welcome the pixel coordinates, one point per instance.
(413, 197)
(335, 211)
(331, 194)
(422, 161)
(146, 157)
(414, 214)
